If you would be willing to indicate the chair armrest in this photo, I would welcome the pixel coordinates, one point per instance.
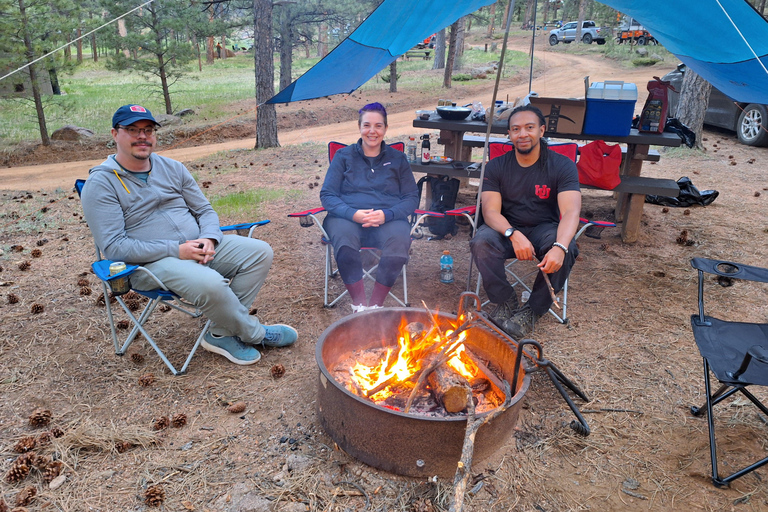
(730, 269)
(250, 226)
(101, 269)
(306, 213)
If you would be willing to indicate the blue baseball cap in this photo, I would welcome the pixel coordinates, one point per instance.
(129, 114)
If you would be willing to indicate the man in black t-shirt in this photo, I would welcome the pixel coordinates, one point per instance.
(530, 206)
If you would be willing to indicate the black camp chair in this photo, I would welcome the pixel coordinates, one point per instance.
(735, 352)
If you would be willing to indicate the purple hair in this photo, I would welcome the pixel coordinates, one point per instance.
(372, 107)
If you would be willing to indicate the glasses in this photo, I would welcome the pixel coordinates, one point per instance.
(134, 132)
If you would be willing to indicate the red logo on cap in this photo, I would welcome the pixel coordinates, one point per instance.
(137, 108)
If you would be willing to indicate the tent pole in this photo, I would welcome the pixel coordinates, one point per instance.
(489, 120)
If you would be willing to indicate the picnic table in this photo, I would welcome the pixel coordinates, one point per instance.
(630, 194)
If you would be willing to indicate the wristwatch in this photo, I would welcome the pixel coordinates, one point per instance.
(508, 232)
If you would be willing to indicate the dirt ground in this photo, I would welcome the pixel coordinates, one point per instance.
(628, 346)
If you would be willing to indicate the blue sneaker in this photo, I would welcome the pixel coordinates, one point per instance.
(231, 347)
(279, 335)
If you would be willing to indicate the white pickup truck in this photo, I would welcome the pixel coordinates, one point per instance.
(567, 33)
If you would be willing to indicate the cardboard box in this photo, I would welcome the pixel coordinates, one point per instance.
(563, 115)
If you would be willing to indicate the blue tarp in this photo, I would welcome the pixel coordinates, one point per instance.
(392, 29)
(721, 40)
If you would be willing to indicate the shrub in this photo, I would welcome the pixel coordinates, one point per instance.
(461, 77)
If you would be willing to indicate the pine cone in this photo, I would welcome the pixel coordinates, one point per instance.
(13, 298)
(123, 446)
(3, 506)
(24, 265)
(137, 358)
(146, 380)
(86, 290)
(44, 439)
(160, 423)
(57, 432)
(164, 308)
(179, 420)
(25, 444)
(25, 496)
(36, 253)
(28, 459)
(123, 324)
(17, 473)
(236, 407)
(42, 242)
(133, 304)
(42, 462)
(83, 282)
(37, 308)
(277, 371)
(52, 470)
(154, 496)
(131, 295)
(40, 417)
(17, 248)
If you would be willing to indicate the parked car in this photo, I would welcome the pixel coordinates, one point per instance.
(748, 120)
(632, 31)
(567, 33)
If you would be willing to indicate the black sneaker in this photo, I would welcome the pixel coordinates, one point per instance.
(505, 310)
(521, 323)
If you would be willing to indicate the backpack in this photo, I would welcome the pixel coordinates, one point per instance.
(444, 192)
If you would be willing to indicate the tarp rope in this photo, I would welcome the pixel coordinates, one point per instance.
(742, 37)
(75, 40)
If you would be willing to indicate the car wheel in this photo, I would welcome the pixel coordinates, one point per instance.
(566, 42)
(641, 41)
(600, 41)
(553, 40)
(752, 125)
(587, 39)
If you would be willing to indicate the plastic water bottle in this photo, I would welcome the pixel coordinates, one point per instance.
(410, 150)
(446, 267)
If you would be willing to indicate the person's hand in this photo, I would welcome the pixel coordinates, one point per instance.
(200, 250)
(552, 261)
(359, 215)
(523, 247)
(373, 219)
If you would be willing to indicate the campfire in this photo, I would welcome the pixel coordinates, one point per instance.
(419, 370)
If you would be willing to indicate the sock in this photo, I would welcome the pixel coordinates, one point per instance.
(379, 294)
(357, 292)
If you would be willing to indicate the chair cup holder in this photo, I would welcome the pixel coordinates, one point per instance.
(120, 286)
(242, 232)
(306, 222)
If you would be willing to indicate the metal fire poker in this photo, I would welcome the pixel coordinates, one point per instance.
(579, 425)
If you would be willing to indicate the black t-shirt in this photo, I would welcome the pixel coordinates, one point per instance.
(529, 194)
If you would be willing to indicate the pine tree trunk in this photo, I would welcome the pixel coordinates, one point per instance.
(322, 44)
(79, 46)
(506, 15)
(286, 47)
(582, 9)
(460, 42)
(693, 103)
(266, 117)
(30, 55)
(439, 62)
(451, 55)
(492, 18)
(393, 76)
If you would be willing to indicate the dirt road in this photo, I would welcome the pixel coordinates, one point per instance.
(563, 76)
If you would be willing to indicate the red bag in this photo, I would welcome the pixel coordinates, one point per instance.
(599, 165)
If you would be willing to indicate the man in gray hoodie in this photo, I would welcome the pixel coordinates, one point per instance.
(147, 210)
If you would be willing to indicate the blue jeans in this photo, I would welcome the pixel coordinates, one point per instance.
(245, 262)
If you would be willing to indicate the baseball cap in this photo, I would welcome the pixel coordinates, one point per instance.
(129, 114)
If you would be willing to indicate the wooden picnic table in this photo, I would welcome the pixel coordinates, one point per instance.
(629, 204)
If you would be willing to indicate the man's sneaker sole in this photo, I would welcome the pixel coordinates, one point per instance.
(218, 350)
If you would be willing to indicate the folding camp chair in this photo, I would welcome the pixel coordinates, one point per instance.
(309, 218)
(521, 276)
(735, 352)
(157, 296)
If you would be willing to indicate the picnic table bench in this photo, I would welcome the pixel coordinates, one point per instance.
(418, 53)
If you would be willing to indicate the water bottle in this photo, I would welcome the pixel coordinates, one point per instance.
(446, 267)
(410, 150)
(425, 156)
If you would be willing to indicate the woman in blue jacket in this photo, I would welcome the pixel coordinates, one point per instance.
(369, 192)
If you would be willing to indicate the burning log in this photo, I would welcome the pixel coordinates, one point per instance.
(450, 389)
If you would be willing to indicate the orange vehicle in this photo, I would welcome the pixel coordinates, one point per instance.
(632, 31)
(427, 43)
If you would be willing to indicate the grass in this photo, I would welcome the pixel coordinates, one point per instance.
(91, 93)
(245, 204)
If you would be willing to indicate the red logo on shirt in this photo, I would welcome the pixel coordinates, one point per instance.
(137, 108)
(542, 191)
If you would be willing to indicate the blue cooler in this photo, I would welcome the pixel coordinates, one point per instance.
(610, 108)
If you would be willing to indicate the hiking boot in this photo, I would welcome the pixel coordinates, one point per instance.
(521, 323)
(505, 310)
(279, 335)
(230, 347)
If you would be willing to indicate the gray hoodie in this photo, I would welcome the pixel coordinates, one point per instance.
(139, 222)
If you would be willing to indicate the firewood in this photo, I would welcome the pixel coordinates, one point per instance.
(450, 388)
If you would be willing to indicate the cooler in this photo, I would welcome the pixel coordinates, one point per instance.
(610, 108)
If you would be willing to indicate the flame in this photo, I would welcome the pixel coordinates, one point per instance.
(400, 364)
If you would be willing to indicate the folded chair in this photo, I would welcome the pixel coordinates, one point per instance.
(157, 296)
(522, 272)
(736, 353)
(313, 217)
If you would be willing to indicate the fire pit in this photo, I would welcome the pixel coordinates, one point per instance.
(388, 438)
